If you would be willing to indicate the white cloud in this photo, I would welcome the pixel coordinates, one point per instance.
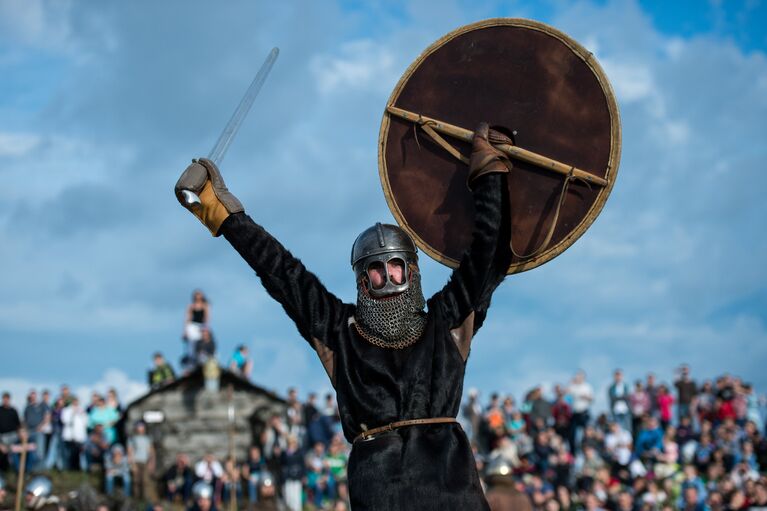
(43, 23)
(359, 65)
(632, 81)
(17, 144)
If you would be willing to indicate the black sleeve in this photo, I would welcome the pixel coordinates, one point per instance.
(484, 265)
(317, 313)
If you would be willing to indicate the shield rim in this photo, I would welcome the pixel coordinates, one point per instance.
(613, 162)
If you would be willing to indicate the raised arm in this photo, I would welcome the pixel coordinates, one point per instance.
(466, 296)
(317, 313)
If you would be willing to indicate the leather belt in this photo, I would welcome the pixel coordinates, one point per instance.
(367, 434)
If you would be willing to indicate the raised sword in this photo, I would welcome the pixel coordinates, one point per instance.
(235, 122)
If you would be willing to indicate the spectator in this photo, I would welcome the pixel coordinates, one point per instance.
(241, 363)
(592, 462)
(9, 428)
(293, 405)
(106, 416)
(561, 412)
(178, 480)
(705, 402)
(753, 414)
(96, 446)
(66, 394)
(293, 472)
(669, 457)
(112, 401)
(665, 403)
(318, 481)
(74, 434)
(274, 436)
(197, 316)
(55, 442)
(686, 390)
(95, 397)
(704, 452)
(141, 457)
(196, 319)
(540, 410)
(205, 348)
(117, 469)
(203, 495)
(23, 444)
(47, 427)
(231, 481)
(254, 470)
(694, 494)
(337, 459)
(472, 414)
(618, 445)
(267, 495)
(652, 392)
(639, 401)
(618, 396)
(35, 415)
(582, 396)
(161, 372)
(649, 443)
(209, 469)
(316, 430)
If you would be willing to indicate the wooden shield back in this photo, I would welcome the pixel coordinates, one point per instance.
(516, 73)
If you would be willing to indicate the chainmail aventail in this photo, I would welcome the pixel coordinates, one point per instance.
(392, 322)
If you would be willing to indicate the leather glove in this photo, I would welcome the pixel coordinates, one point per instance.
(486, 159)
(216, 203)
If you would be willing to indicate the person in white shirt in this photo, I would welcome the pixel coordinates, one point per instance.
(209, 469)
(618, 444)
(582, 395)
(74, 433)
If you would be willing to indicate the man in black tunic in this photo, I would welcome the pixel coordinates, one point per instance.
(398, 370)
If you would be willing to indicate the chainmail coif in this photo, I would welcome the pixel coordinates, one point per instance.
(395, 321)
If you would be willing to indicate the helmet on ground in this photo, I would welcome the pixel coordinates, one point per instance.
(39, 486)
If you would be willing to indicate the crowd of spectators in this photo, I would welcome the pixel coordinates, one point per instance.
(691, 446)
(698, 447)
(58, 433)
(701, 447)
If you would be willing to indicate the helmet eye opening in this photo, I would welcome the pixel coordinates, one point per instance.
(377, 275)
(396, 271)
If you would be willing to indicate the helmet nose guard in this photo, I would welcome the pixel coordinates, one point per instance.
(380, 244)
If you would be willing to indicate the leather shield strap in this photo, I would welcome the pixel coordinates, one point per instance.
(399, 424)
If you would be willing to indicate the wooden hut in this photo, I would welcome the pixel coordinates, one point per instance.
(196, 415)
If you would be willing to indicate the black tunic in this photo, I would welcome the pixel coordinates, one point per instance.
(428, 467)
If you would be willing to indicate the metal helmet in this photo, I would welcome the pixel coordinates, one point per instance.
(37, 491)
(376, 247)
(498, 467)
(202, 490)
(266, 479)
(39, 486)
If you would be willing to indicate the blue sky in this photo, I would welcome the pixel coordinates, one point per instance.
(103, 105)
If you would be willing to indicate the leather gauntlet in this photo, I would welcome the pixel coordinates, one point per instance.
(486, 159)
(216, 202)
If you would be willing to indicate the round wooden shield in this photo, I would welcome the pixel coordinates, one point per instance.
(525, 76)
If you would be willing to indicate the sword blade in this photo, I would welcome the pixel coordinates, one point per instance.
(233, 126)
